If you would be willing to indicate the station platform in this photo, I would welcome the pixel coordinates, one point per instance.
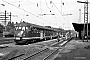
(46, 43)
(75, 50)
(6, 38)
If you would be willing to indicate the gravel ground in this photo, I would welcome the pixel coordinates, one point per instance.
(12, 50)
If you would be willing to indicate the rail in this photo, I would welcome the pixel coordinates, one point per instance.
(53, 53)
(56, 51)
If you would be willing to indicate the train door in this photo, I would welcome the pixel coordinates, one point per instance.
(41, 34)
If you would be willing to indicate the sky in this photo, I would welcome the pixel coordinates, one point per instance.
(32, 11)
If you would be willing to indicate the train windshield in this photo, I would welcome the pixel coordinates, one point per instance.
(20, 31)
(20, 28)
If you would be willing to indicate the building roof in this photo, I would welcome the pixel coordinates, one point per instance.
(22, 24)
(25, 24)
(80, 26)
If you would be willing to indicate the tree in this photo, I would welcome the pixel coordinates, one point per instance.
(1, 28)
(10, 26)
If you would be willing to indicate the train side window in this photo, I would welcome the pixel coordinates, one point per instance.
(26, 27)
(23, 28)
(16, 28)
(19, 27)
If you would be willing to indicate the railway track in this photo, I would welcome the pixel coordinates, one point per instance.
(44, 54)
(57, 43)
(51, 55)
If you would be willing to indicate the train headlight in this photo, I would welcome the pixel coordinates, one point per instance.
(17, 38)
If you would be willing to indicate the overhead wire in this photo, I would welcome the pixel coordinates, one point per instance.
(21, 9)
(34, 4)
(67, 16)
(50, 10)
(41, 10)
(60, 13)
(48, 7)
(25, 10)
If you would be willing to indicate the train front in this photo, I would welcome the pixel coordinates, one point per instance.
(24, 35)
(19, 35)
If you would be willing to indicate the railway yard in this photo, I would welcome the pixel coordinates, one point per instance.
(71, 49)
(44, 30)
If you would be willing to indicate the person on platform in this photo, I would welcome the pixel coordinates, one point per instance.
(58, 37)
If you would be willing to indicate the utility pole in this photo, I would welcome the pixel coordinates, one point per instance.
(85, 16)
(10, 17)
(61, 6)
(79, 16)
(5, 20)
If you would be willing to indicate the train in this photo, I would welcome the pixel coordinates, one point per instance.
(27, 33)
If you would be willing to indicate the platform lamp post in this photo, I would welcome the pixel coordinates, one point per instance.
(85, 15)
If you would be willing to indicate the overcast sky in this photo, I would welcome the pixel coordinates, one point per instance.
(31, 11)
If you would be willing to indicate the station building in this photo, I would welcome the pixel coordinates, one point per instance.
(79, 27)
